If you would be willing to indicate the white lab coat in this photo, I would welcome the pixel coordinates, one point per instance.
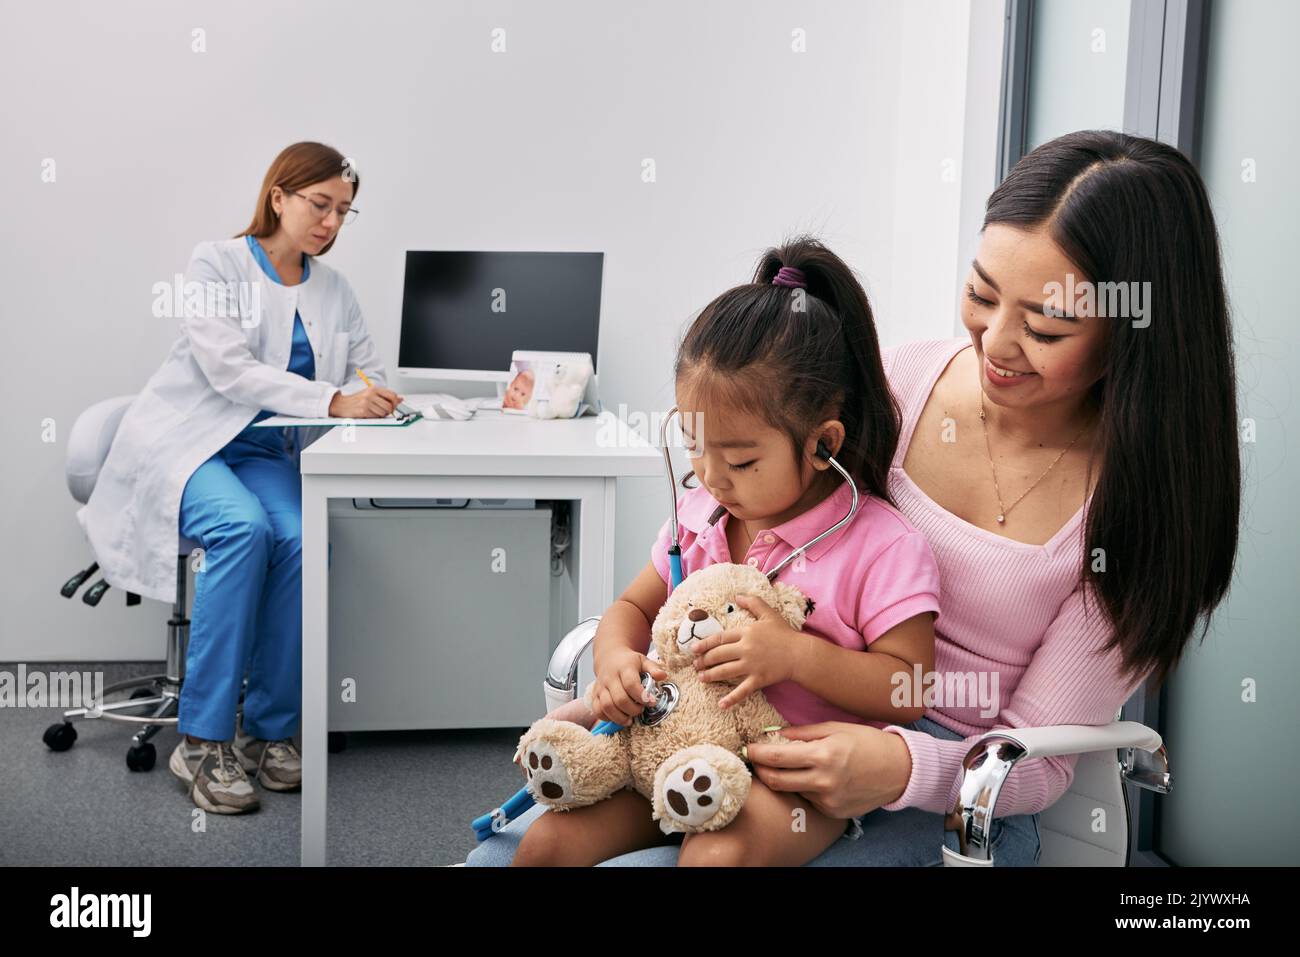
(226, 366)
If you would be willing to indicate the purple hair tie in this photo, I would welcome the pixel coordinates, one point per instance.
(790, 277)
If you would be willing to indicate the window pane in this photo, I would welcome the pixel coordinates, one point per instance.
(1241, 754)
(1077, 63)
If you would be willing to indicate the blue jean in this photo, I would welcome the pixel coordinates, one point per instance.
(244, 507)
(906, 838)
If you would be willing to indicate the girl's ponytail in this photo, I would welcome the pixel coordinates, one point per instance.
(802, 349)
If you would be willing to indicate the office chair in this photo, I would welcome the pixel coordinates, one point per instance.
(1109, 756)
(154, 700)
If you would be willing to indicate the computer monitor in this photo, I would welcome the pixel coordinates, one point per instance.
(464, 313)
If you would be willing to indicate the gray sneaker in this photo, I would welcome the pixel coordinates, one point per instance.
(215, 777)
(276, 765)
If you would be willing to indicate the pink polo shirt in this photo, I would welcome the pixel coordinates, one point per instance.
(870, 575)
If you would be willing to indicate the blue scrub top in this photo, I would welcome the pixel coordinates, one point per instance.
(301, 360)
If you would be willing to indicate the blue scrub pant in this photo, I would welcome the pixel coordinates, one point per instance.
(906, 838)
(244, 507)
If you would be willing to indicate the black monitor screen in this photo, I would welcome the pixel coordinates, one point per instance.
(471, 310)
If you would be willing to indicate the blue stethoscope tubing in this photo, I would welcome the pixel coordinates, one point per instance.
(485, 825)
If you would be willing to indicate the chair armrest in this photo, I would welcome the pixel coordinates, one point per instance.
(561, 684)
(1079, 738)
(995, 753)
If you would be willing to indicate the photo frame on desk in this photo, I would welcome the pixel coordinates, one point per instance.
(549, 385)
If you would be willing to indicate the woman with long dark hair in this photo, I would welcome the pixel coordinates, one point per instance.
(1073, 464)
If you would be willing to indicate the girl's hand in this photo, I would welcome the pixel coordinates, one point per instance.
(616, 694)
(759, 653)
(842, 769)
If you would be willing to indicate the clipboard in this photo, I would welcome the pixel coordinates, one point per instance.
(288, 421)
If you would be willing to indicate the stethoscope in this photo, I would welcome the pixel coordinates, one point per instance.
(675, 549)
(665, 693)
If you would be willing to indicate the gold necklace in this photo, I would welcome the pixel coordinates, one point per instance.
(744, 533)
(1002, 513)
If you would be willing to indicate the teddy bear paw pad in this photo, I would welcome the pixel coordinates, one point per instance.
(548, 779)
(693, 793)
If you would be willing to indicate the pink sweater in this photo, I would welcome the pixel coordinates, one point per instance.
(1009, 611)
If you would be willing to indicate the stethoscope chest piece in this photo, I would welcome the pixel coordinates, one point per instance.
(666, 696)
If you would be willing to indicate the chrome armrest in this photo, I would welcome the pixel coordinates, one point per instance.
(561, 683)
(992, 757)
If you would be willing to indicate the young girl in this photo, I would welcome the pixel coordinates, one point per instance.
(767, 372)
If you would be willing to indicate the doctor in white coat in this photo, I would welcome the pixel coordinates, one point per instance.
(268, 329)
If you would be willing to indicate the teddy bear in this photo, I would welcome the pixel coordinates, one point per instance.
(686, 762)
(562, 391)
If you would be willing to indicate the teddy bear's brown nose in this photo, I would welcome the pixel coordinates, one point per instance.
(697, 614)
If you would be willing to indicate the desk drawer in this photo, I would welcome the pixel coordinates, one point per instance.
(440, 617)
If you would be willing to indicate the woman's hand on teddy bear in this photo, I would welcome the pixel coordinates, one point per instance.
(842, 769)
(757, 654)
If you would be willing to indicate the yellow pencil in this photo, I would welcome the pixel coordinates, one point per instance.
(402, 407)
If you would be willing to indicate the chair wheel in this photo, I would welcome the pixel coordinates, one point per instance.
(60, 737)
(142, 758)
(338, 741)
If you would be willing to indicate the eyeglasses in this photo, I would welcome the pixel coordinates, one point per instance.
(322, 209)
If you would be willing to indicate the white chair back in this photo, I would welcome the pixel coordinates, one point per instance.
(89, 442)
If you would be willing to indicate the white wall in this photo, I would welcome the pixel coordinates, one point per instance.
(979, 170)
(158, 147)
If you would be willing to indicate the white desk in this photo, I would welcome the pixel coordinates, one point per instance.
(492, 455)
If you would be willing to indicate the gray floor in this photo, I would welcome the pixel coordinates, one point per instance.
(395, 798)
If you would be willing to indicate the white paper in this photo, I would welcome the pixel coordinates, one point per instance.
(280, 421)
